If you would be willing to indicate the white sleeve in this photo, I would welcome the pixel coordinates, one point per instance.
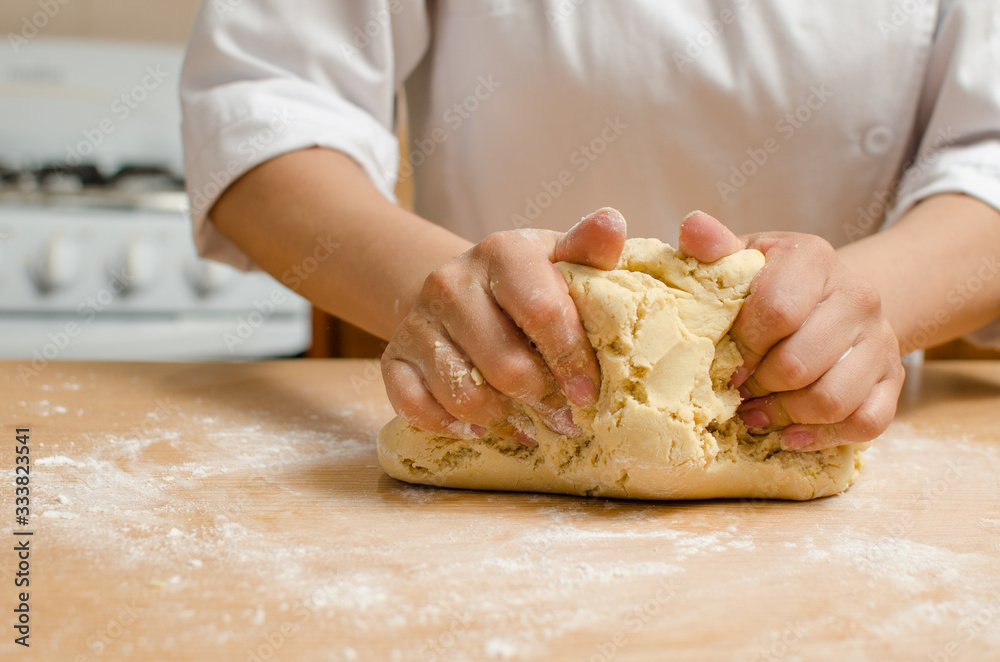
(959, 114)
(959, 149)
(267, 77)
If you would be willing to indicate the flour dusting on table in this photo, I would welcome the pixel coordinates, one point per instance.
(482, 585)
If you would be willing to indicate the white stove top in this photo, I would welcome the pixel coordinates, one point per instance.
(91, 101)
(130, 282)
(96, 255)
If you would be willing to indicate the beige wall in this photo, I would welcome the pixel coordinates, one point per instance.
(146, 20)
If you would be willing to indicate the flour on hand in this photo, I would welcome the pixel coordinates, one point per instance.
(665, 423)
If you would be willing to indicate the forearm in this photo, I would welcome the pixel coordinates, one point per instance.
(936, 269)
(314, 221)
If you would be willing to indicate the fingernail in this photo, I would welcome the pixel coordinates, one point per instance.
(479, 430)
(793, 441)
(525, 439)
(524, 429)
(462, 430)
(755, 419)
(561, 422)
(745, 393)
(739, 377)
(581, 392)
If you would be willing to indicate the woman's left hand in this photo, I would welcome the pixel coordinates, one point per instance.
(821, 361)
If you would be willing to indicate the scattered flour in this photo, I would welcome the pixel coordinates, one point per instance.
(58, 461)
(500, 649)
(57, 514)
(566, 574)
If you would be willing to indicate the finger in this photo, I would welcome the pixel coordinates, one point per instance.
(823, 340)
(538, 301)
(546, 314)
(410, 397)
(706, 239)
(458, 386)
(596, 241)
(508, 363)
(830, 399)
(489, 339)
(782, 296)
(534, 294)
(869, 421)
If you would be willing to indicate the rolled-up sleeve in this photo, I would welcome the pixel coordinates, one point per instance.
(959, 146)
(265, 77)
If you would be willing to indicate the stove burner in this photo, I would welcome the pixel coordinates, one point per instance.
(135, 186)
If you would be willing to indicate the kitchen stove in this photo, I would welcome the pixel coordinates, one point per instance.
(96, 255)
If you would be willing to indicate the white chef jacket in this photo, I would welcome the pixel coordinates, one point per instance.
(826, 118)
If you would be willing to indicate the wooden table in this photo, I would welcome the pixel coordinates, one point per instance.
(237, 512)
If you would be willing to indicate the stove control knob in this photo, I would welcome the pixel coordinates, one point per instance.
(135, 268)
(56, 265)
(207, 276)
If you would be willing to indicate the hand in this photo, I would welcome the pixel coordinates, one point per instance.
(820, 359)
(497, 325)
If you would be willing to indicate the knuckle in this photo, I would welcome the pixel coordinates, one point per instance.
(410, 407)
(748, 339)
(898, 378)
(792, 371)
(403, 338)
(547, 314)
(499, 247)
(866, 299)
(465, 407)
(869, 422)
(829, 405)
(387, 361)
(393, 374)
(517, 377)
(441, 285)
(820, 245)
(779, 314)
(565, 354)
(453, 387)
(467, 403)
(490, 244)
(891, 339)
(887, 335)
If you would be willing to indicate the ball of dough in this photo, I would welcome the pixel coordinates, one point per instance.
(665, 423)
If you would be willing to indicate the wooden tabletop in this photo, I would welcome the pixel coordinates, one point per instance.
(237, 512)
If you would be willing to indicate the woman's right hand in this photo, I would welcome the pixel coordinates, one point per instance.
(497, 325)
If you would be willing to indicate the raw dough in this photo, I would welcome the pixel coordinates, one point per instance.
(664, 426)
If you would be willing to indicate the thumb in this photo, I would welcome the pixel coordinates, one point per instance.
(706, 239)
(596, 241)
